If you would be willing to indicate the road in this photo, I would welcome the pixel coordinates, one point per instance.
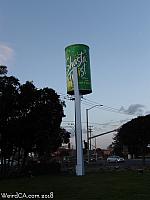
(131, 163)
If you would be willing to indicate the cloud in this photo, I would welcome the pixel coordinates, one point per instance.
(137, 109)
(147, 112)
(6, 54)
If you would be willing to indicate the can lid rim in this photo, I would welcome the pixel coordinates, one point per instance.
(76, 45)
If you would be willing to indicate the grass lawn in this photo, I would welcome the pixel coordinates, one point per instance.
(102, 185)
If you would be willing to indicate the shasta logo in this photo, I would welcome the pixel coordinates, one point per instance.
(80, 62)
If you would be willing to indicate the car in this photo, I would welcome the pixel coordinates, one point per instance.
(93, 159)
(115, 159)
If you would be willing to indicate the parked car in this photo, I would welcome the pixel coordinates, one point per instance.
(115, 159)
(93, 159)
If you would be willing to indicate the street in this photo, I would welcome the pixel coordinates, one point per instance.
(129, 163)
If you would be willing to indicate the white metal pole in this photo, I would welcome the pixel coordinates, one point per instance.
(79, 148)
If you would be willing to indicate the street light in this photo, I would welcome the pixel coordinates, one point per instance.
(87, 123)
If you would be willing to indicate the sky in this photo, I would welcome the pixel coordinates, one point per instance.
(34, 34)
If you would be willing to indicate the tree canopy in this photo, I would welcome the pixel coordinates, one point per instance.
(3, 70)
(135, 135)
(30, 120)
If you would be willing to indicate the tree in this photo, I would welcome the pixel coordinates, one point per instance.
(3, 70)
(9, 87)
(135, 134)
(30, 120)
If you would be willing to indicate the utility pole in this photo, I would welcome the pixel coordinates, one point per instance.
(95, 150)
(90, 133)
(87, 128)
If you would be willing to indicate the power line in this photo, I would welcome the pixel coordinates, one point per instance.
(95, 123)
(89, 102)
(107, 108)
(66, 97)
